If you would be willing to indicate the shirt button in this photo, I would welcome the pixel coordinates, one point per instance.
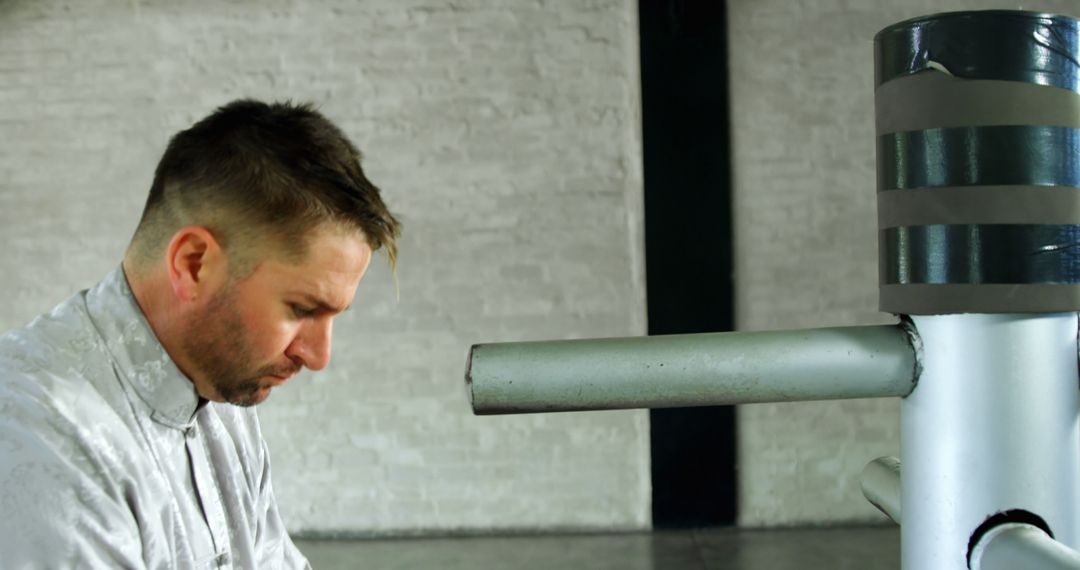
(189, 432)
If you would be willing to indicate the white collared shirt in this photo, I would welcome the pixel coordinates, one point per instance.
(108, 458)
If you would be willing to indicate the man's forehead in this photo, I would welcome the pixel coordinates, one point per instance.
(323, 250)
(321, 303)
(329, 286)
(310, 281)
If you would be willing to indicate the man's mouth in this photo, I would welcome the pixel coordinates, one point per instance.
(281, 378)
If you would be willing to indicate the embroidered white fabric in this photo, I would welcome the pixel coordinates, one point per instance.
(108, 459)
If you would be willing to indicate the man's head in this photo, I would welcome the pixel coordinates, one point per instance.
(261, 178)
(259, 225)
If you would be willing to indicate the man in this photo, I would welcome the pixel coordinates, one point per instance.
(127, 436)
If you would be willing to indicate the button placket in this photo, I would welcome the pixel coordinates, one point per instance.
(209, 497)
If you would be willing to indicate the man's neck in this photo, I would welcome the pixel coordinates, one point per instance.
(149, 289)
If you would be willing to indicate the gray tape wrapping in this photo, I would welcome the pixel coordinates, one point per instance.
(937, 299)
(979, 205)
(978, 143)
(933, 99)
(1004, 140)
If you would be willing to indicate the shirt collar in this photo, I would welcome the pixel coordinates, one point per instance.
(138, 357)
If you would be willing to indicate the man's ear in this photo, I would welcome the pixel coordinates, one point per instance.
(196, 263)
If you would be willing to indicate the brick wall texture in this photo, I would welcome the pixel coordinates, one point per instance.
(505, 134)
(802, 76)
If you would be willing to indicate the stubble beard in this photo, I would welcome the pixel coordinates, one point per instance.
(218, 344)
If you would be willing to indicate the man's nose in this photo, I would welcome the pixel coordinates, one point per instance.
(312, 346)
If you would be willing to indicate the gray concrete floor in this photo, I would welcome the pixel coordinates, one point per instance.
(873, 548)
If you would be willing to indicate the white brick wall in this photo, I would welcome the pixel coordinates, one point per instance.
(504, 133)
(802, 78)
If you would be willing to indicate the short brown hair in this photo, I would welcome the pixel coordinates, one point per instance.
(252, 167)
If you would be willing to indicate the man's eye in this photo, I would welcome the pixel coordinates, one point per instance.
(302, 312)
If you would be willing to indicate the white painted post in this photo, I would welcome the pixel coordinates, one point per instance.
(990, 427)
(978, 129)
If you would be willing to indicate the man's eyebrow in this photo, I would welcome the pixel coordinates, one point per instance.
(323, 304)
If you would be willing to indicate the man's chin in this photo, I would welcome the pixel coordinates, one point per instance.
(251, 397)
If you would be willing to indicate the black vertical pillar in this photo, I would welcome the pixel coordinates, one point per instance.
(688, 243)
